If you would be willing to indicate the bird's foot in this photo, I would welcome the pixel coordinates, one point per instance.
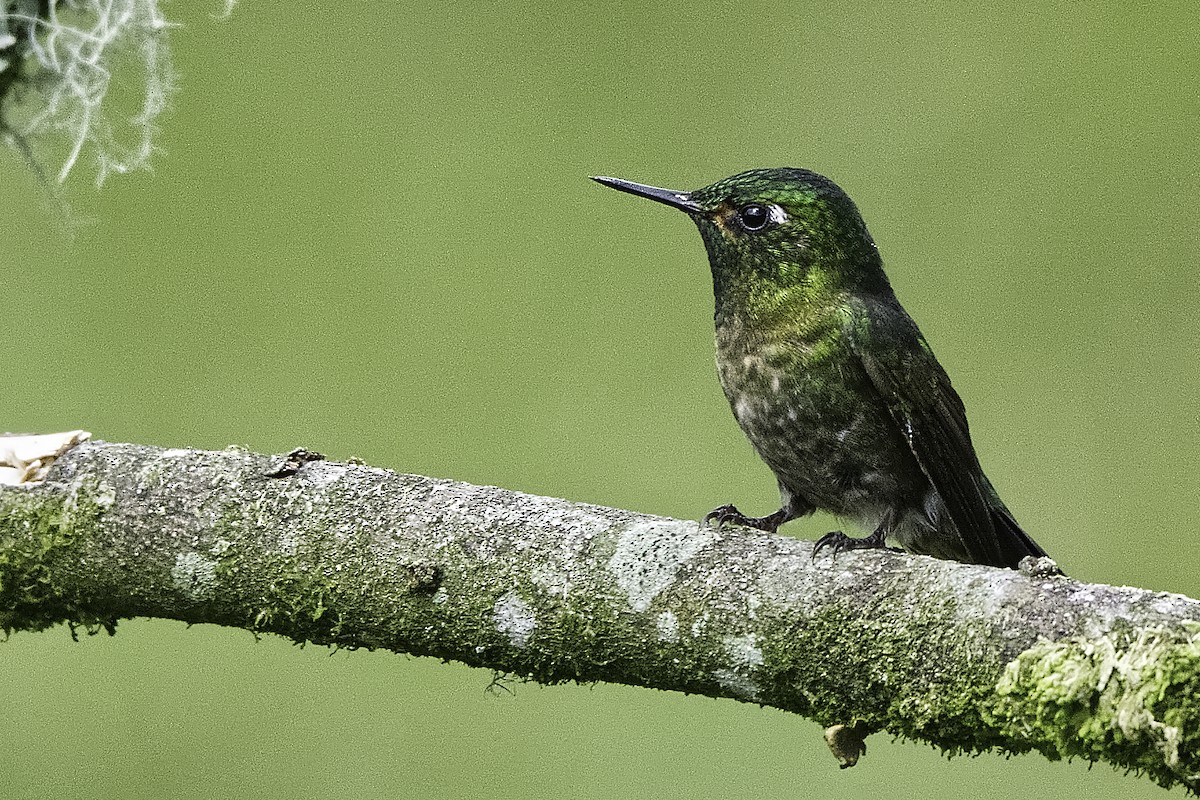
(729, 515)
(840, 541)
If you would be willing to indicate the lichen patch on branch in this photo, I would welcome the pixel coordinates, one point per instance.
(668, 627)
(514, 618)
(745, 656)
(649, 555)
(195, 575)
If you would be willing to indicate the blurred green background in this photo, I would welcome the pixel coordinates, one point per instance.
(373, 236)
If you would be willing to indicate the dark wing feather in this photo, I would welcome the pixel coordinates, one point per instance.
(931, 418)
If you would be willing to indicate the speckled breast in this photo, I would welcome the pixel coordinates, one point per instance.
(809, 409)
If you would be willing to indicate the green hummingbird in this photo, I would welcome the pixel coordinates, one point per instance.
(830, 378)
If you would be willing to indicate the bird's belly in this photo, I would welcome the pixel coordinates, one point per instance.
(825, 434)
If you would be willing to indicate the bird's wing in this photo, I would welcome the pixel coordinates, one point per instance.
(930, 416)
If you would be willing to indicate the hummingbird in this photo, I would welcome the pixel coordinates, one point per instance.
(829, 377)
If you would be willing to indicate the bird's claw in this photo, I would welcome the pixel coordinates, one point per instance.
(840, 541)
(835, 539)
(724, 516)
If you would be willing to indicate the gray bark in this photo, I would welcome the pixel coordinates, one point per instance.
(966, 658)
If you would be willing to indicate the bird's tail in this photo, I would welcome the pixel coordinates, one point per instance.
(1014, 542)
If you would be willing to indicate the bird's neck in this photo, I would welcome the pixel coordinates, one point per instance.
(752, 299)
(791, 323)
(803, 303)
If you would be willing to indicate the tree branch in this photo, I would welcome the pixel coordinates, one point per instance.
(966, 658)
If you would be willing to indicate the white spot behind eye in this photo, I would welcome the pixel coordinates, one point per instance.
(776, 214)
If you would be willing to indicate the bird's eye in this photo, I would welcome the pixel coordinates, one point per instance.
(754, 217)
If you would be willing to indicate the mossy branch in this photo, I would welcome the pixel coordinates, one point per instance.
(966, 658)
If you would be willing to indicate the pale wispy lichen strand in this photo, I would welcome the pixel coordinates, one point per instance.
(59, 62)
(78, 47)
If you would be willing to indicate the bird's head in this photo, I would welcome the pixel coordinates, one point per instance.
(775, 232)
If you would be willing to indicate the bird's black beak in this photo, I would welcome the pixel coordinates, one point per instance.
(681, 200)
